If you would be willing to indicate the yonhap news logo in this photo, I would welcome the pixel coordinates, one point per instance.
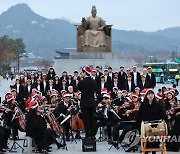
(132, 138)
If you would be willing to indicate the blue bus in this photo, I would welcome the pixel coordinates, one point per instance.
(165, 71)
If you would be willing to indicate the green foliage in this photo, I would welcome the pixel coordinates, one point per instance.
(10, 50)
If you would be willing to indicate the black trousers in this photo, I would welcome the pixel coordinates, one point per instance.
(100, 123)
(88, 119)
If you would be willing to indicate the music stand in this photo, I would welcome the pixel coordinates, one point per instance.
(15, 146)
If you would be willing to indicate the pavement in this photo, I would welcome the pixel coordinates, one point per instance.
(73, 147)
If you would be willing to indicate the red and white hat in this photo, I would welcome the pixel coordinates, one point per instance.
(158, 96)
(66, 94)
(149, 89)
(115, 88)
(87, 69)
(143, 92)
(107, 95)
(9, 97)
(129, 99)
(104, 91)
(119, 91)
(134, 95)
(53, 94)
(33, 95)
(33, 105)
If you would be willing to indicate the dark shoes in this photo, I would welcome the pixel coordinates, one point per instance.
(59, 145)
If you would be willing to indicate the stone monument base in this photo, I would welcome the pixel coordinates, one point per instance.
(76, 61)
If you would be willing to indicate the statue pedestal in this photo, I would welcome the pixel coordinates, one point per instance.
(93, 49)
(76, 61)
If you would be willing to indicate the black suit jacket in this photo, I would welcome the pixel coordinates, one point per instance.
(122, 80)
(21, 90)
(146, 85)
(87, 86)
(26, 92)
(112, 85)
(111, 77)
(98, 77)
(44, 89)
(138, 77)
(108, 80)
(61, 108)
(61, 88)
(152, 80)
(99, 87)
(132, 87)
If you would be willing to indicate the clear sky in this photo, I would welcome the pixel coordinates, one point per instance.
(145, 15)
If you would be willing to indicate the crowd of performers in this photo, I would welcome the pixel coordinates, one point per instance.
(40, 104)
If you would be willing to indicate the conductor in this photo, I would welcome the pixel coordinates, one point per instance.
(87, 86)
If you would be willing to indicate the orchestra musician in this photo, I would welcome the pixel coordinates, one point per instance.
(9, 117)
(39, 129)
(4, 132)
(105, 116)
(62, 110)
(150, 105)
(127, 113)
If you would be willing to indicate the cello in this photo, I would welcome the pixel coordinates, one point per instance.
(76, 123)
(20, 119)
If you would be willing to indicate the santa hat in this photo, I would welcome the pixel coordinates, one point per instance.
(33, 105)
(33, 95)
(134, 95)
(159, 97)
(63, 91)
(129, 99)
(115, 88)
(87, 69)
(34, 90)
(149, 89)
(107, 95)
(66, 94)
(103, 90)
(137, 88)
(124, 91)
(143, 92)
(119, 91)
(9, 97)
(134, 66)
(53, 94)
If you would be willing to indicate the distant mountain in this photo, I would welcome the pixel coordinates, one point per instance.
(43, 36)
